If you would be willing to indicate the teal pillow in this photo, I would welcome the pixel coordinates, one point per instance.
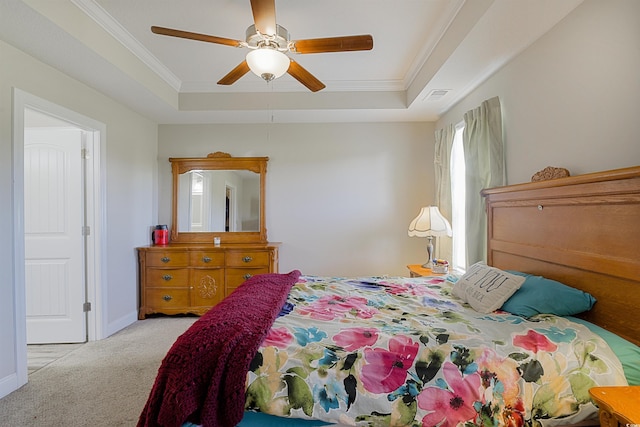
(265, 420)
(627, 352)
(541, 295)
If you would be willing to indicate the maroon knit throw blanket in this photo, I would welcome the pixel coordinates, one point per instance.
(202, 378)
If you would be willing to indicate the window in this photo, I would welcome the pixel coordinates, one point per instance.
(459, 258)
(197, 189)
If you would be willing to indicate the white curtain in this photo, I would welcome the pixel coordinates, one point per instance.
(485, 168)
(442, 164)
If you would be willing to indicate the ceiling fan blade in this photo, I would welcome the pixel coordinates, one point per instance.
(264, 16)
(195, 36)
(333, 44)
(235, 74)
(303, 76)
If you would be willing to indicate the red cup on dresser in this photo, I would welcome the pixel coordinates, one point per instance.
(160, 235)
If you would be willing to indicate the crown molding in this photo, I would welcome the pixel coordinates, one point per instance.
(118, 32)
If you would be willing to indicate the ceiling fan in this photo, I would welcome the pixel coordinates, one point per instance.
(268, 43)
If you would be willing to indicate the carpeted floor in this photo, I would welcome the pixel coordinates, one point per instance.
(40, 355)
(101, 383)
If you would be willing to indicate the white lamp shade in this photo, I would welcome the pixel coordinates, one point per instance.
(267, 62)
(429, 222)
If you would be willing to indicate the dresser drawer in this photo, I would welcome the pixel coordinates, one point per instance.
(207, 286)
(171, 277)
(236, 276)
(206, 259)
(247, 258)
(167, 258)
(160, 299)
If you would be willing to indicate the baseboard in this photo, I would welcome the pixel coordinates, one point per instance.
(9, 384)
(121, 323)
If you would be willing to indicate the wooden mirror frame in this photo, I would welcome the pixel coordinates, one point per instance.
(218, 161)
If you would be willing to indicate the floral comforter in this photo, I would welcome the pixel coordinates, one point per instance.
(405, 352)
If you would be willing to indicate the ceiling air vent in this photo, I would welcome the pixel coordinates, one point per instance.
(436, 94)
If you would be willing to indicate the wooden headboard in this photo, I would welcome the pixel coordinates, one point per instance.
(583, 231)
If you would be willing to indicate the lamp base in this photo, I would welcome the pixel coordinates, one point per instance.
(429, 262)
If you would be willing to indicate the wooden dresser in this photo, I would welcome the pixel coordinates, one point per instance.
(191, 278)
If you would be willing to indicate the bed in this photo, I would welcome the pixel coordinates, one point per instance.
(380, 351)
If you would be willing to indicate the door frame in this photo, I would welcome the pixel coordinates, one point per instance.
(95, 219)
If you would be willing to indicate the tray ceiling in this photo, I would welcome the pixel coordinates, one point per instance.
(420, 46)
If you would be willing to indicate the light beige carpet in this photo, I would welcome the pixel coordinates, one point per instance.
(102, 383)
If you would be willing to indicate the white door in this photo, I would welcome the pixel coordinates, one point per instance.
(54, 241)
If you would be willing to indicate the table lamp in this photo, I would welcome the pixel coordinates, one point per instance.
(429, 223)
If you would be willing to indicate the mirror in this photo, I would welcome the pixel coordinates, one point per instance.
(218, 196)
(220, 200)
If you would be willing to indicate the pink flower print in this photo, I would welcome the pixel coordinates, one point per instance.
(386, 370)
(332, 306)
(455, 405)
(534, 342)
(407, 289)
(354, 338)
(278, 337)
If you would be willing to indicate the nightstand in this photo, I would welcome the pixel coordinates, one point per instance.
(417, 270)
(618, 405)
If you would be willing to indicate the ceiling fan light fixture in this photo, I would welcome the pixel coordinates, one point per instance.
(268, 45)
(268, 63)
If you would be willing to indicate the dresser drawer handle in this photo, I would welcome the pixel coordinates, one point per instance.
(247, 259)
(167, 277)
(165, 259)
(167, 297)
(206, 259)
(247, 276)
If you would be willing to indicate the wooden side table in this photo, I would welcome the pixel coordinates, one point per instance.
(417, 270)
(619, 406)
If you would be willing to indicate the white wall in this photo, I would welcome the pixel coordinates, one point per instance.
(131, 167)
(339, 196)
(572, 99)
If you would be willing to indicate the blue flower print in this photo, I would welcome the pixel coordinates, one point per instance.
(286, 309)
(330, 394)
(558, 335)
(306, 336)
